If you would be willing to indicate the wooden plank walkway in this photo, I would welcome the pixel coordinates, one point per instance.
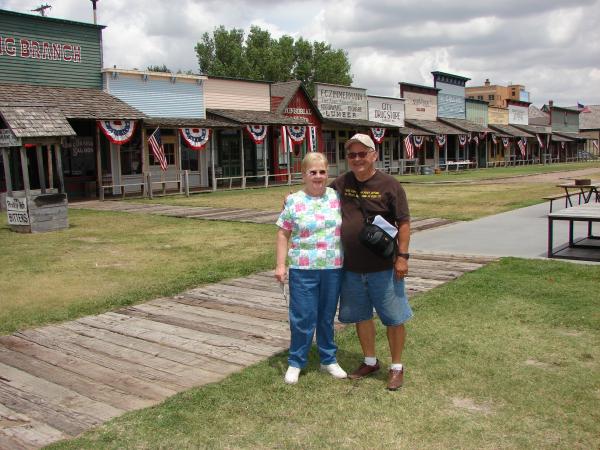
(61, 380)
(208, 213)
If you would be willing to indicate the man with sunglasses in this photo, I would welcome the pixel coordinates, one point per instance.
(371, 281)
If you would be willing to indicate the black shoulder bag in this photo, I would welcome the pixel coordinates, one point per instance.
(374, 237)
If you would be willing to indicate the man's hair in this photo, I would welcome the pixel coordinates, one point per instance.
(312, 158)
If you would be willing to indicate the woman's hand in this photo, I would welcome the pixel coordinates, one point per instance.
(281, 273)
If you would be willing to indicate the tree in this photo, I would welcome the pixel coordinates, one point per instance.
(261, 57)
(162, 68)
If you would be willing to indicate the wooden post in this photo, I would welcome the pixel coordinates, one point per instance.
(50, 170)
(186, 179)
(25, 170)
(212, 160)
(178, 156)
(164, 182)
(58, 159)
(288, 152)
(266, 149)
(7, 178)
(243, 158)
(99, 181)
(149, 184)
(40, 163)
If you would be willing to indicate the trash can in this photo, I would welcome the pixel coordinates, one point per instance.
(426, 170)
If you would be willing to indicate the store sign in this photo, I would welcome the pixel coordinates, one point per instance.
(337, 102)
(16, 208)
(297, 111)
(518, 114)
(386, 110)
(497, 116)
(80, 145)
(8, 139)
(33, 49)
(420, 106)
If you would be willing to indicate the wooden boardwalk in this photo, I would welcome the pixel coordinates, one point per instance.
(208, 213)
(60, 380)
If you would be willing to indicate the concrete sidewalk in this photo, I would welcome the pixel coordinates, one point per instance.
(521, 233)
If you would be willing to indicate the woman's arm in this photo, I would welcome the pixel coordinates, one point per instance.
(281, 246)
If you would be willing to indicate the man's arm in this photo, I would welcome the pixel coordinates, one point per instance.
(403, 237)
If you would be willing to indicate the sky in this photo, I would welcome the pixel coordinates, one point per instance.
(550, 46)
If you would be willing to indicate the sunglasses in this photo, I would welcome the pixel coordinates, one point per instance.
(314, 173)
(354, 155)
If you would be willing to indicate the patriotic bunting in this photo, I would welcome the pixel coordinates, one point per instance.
(482, 135)
(117, 131)
(257, 133)
(562, 145)
(476, 140)
(494, 138)
(462, 140)
(296, 134)
(378, 134)
(505, 142)
(522, 146)
(410, 150)
(158, 150)
(540, 141)
(312, 139)
(440, 139)
(195, 138)
(418, 141)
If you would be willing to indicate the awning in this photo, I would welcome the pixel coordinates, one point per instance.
(535, 129)
(466, 125)
(359, 123)
(250, 117)
(433, 126)
(174, 122)
(36, 121)
(414, 131)
(573, 135)
(510, 131)
(557, 138)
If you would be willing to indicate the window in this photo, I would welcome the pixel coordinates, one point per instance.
(491, 97)
(189, 158)
(169, 155)
(480, 97)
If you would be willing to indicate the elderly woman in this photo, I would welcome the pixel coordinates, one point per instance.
(311, 220)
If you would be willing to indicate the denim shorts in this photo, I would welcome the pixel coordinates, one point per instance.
(361, 292)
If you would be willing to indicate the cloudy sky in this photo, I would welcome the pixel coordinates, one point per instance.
(550, 46)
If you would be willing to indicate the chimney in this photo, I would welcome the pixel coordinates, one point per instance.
(94, 8)
(487, 81)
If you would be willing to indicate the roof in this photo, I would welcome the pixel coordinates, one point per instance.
(175, 122)
(249, 117)
(286, 90)
(359, 123)
(50, 19)
(170, 75)
(458, 77)
(433, 126)
(510, 130)
(535, 129)
(557, 138)
(36, 121)
(537, 116)
(573, 135)
(590, 120)
(466, 125)
(73, 103)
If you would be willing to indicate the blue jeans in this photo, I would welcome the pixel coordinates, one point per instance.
(313, 301)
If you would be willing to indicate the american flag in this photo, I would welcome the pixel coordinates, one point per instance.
(521, 145)
(410, 150)
(157, 148)
(595, 145)
(540, 141)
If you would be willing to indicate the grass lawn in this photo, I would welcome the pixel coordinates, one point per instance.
(504, 357)
(106, 260)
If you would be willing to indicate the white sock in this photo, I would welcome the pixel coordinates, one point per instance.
(396, 367)
(370, 360)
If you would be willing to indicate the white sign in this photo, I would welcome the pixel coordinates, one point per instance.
(16, 208)
(420, 106)
(8, 139)
(337, 102)
(518, 114)
(387, 110)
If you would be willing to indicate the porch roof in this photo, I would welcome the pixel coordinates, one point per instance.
(175, 122)
(572, 135)
(558, 138)
(36, 121)
(249, 117)
(510, 130)
(535, 129)
(466, 125)
(358, 123)
(433, 126)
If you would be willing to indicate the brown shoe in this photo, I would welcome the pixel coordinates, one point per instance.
(395, 379)
(364, 370)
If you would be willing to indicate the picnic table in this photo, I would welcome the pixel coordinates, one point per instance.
(587, 212)
(585, 190)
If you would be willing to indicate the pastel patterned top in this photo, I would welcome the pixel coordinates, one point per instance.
(315, 223)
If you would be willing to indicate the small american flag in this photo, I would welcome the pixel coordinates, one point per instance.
(521, 145)
(410, 150)
(157, 148)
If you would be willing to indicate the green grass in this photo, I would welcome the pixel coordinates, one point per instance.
(504, 357)
(106, 260)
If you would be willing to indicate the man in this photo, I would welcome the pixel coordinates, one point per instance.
(371, 281)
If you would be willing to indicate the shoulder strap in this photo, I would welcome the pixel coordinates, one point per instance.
(359, 195)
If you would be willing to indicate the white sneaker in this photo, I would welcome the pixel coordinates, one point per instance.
(334, 370)
(292, 374)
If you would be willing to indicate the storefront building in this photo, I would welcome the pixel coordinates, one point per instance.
(589, 126)
(565, 124)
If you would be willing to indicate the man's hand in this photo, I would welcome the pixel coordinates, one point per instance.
(400, 267)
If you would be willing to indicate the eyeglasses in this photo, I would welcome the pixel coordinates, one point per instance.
(354, 155)
(314, 173)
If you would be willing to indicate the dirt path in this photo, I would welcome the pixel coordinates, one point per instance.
(558, 177)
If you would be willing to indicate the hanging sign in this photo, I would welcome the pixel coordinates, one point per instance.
(296, 134)
(418, 141)
(312, 139)
(195, 138)
(440, 139)
(505, 142)
(257, 133)
(378, 134)
(8, 139)
(17, 211)
(462, 140)
(117, 131)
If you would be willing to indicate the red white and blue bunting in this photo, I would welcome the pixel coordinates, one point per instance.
(418, 141)
(118, 131)
(494, 138)
(482, 136)
(257, 133)
(296, 134)
(505, 142)
(440, 139)
(462, 140)
(312, 139)
(378, 134)
(195, 138)
(562, 145)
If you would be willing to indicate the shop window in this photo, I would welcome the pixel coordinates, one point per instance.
(329, 146)
(169, 155)
(78, 156)
(190, 159)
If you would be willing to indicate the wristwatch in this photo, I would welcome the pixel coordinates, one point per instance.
(403, 255)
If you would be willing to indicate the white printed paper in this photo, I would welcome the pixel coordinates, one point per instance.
(385, 226)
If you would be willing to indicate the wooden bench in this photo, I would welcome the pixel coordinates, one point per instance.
(551, 198)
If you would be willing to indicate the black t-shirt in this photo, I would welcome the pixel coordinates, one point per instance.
(381, 194)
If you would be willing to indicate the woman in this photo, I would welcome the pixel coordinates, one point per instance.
(311, 219)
